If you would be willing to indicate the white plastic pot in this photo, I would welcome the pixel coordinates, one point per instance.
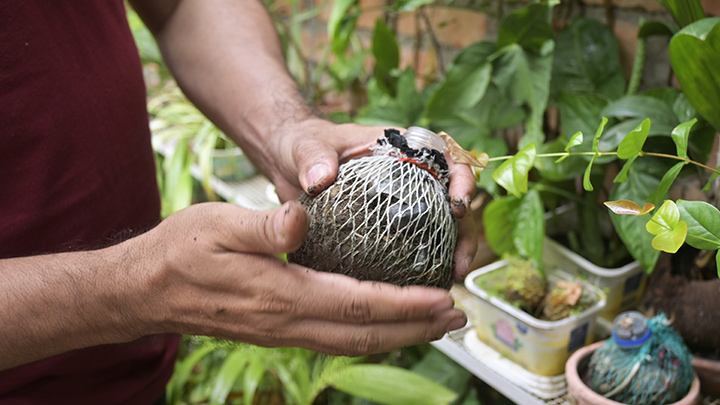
(541, 347)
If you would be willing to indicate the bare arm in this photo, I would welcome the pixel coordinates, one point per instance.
(226, 56)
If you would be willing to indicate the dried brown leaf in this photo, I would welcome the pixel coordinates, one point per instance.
(460, 155)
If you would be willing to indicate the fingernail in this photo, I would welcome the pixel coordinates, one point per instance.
(315, 175)
(459, 209)
(467, 200)
(457, 323)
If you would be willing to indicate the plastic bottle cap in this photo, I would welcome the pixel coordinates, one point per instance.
(630, 329)
(419, 138)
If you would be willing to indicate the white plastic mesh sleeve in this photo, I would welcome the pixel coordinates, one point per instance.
(383, 220)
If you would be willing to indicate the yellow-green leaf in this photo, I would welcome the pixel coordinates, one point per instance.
(665, 219)
(670, 241)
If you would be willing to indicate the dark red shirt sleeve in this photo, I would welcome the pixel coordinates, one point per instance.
(76, 172)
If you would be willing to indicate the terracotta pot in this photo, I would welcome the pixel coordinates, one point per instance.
(708, 371)
(584, 395)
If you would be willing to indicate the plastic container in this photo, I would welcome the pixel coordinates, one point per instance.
(541, 347)
(418, 138)
(624, 286)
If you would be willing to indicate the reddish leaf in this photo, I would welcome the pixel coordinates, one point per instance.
(627, 207)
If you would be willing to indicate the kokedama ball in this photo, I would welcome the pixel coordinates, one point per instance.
(387, 217)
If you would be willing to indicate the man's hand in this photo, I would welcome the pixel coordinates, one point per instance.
(309, 155)
(217, 273)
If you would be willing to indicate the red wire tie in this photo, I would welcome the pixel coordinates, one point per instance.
(423, 166)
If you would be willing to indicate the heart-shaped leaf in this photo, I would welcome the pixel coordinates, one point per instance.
(671, 240)
(665, 219)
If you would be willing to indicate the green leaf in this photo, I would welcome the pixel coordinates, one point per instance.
(227, 375)
(289, 383)
(183, 369)
(633, 142)
(529, 27)
(717, 262)
(703, 221)
(178, 180)
(341, 24)
(667, 181)
(380, 383)
(670, 241)
(524, 79)
(680, 136)
(641, 106)
(695, 56)
(387, 57)
(684, 11)
(712, 178)
(575, 140)
(253, 375)
(649, 28)
(587, 62)
(438, 367)
(512, 175)
(465, 83)
(665, 219)
(529, 231)
(587, 183)
(499, 220)
(598, 134)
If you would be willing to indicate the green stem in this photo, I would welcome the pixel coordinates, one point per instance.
(556, 154)
(638, 66)
(665, 155)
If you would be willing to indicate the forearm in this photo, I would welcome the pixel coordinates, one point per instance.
(227, 58)
(55, 303)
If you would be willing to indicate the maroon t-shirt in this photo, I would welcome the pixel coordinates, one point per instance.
(76, 172)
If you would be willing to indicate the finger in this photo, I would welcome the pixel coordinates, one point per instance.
(462, 187)
(272, 232)
(466, 246)
(317, 164)
(357, 340)
(357, 145)
(363, 302)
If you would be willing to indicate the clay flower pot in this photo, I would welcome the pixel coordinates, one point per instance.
(585, 395)
(708, 371)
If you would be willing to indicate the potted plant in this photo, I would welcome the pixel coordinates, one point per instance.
(577, 365)
(217, 371)
(533, 316)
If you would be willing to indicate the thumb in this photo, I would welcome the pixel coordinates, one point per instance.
(317, 164)
(272, 232)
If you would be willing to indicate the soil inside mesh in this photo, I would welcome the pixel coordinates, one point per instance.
(323, 253)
